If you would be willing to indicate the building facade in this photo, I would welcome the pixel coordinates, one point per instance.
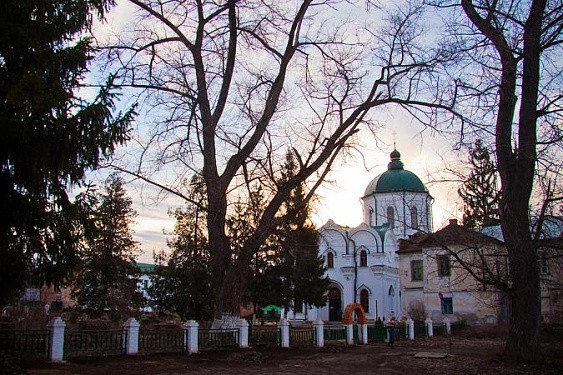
(362, 262)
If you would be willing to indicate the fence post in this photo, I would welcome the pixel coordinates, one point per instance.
(410, 324)
(429, 327)
(57, 342)
(284, 325)
(243, 333)
(318, 325)
(132, 328)
(448, 326)
(191, 336)
(364, 328)
(349, 334)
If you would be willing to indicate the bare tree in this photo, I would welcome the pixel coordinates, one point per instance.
(229, 85)
(509, 84)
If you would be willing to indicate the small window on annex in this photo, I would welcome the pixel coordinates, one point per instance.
(414, 218)
(330, 260)
(363, 258)
(364, 299)
(544, 265)
(391, 216)
(447, 305)
(444, 267)
(417, 270)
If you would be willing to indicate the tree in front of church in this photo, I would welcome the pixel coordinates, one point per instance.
(288, 271)
(508, 84)
(480, 192)
(232, 83)
(182, 279)
(50, 136)
(107, 281)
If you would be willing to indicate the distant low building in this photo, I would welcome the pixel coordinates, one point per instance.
(144, 283)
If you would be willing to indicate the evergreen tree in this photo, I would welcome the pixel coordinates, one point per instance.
(182, 280)
(480, 192)
(288, 270)
(300, 248)
(50, 137)
(108, 281)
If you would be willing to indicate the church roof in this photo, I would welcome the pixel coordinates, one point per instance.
(395, 179)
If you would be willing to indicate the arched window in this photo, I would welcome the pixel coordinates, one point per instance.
(330, 260)
(391, 291)
(364, 299)
(414, 218)
(363, 258)
(371, 217)
(391, 216)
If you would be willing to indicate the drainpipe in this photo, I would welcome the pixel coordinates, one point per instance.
(355, 266)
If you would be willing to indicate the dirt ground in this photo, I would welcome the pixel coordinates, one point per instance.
(474, 352)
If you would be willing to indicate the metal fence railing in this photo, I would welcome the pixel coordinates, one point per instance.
(301, 336)
(161, 341)
(334, 333)
(215, 339)
(36, 342)
(259, 336)
(439, 329)
(377, 334)
(420, 329)
(94, 342)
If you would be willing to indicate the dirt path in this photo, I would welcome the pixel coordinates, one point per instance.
(464, 356)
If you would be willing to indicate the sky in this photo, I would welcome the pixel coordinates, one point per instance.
(422, 151)
(339, 200)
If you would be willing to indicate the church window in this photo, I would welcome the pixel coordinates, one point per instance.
(330, 260)
(444, 266)
(364, 299)
(371, 217)
(363, 258)
(414, 218)
(416, 270)
(447, 305)
(391, 216)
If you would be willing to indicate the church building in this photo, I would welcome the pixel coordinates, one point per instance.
(362, 262)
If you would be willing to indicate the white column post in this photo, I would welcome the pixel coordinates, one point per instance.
(364, 328)
(349, 334)
(132, 343)
(318, 325)
(243, 333)
(429, 327)
(191, 336)
(57, 342)
(132, 328)
(448, 323)
(410, 324)
(284, 325)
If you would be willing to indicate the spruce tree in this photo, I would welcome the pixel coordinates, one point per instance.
(50, 136)
(182, 279)
(108, 280)
(480, 192)
(289, 272)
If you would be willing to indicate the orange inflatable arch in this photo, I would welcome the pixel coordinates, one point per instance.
(349, 314)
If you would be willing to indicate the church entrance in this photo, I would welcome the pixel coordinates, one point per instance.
(334, 305)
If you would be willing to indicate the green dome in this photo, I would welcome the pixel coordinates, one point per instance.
(395, 179)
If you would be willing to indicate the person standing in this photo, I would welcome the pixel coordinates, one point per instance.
(390, 325)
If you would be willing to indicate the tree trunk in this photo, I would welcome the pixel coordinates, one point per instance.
(523, 336)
